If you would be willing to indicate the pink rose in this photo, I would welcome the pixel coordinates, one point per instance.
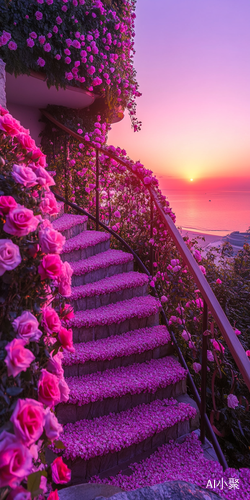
(218, 281)
(66, 338)
(61, 474)
(7, 203)
(43, 484)
(248, 353)
(15, 460)
(26, 327)
(18, 358)
(218, 346)
(196, 367)
(186, 335)
(48, 390)
(51, 241)
(28, 420)
(64, 390)
(64, 287)
(44, 178)
(52, 427)
(20, 221)
(54, 364)
(50, 267)
(53, 495)
(164, 299)
(9, 125)
(210, 356)
(203, 270)
(51, 321)
(197, 256)
(3, 111)
(19, 493)
(67, 312)
(10, 256)
(232, 401)
(49, 205)
(237, 332)
(25, 141)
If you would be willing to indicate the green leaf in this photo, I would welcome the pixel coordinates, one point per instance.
(14, 391)
(33, 484)
(59, 445)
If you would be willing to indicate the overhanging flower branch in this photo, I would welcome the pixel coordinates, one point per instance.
(33, 316)
(87, 44)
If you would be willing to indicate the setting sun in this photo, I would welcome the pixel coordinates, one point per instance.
(191, 180)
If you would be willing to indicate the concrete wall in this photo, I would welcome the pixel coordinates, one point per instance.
(2, 84)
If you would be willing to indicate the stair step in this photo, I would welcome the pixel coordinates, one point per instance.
(137, 346)
(100, 266)
(85, 245)
(93, 446)
(113, 319)
(70, 225)
(109, 290)
(121, 388)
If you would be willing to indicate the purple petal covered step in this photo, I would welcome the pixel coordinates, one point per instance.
(67, 221)
(140, 307)
(101, 260)
(111, 284)
(133, 379)
(97, 437)
(117, 346)
(84, 240)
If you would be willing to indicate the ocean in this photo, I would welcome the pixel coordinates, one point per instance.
(215, 212)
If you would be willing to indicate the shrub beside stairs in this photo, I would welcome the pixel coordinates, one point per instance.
(127, 389)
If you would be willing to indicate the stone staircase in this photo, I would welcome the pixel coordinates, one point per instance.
(127, 389)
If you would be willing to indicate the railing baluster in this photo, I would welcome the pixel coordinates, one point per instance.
(66, 172)
(151, 256)
(97, 191)
(203, 374)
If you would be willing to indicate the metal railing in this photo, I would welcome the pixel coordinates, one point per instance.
(209, 299)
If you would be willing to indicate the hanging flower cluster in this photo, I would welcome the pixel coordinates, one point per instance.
(33, 324)
(88, 44)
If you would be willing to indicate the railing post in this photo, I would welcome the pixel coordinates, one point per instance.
(97, 191)
(151, 256)
(203, 374)
(66, 172)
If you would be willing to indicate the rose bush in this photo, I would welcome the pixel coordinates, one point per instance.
(31, 375)
(85, 44)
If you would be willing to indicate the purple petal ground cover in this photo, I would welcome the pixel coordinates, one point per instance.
(132, 379)
(84, 240)
(111, 284)
(67, 221)
(111, 433)
(182, 462)
(101, 260)
(117, 346)
(140, 307)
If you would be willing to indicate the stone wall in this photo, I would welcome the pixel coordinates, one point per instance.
(2, 84)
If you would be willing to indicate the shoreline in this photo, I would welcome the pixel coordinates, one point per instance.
(209, 238)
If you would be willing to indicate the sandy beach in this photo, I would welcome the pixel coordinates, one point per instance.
(210, 239)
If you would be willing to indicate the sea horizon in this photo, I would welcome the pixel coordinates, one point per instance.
(217, 212)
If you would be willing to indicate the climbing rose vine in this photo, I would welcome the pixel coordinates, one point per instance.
(33, 317)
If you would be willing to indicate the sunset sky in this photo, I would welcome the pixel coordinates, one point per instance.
(193, 66)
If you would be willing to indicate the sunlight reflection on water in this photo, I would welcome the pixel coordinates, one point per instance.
(226, 212)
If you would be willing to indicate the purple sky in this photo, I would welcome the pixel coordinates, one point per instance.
(193, 67)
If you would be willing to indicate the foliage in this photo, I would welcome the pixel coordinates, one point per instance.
(88, 44)
(30, 328)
